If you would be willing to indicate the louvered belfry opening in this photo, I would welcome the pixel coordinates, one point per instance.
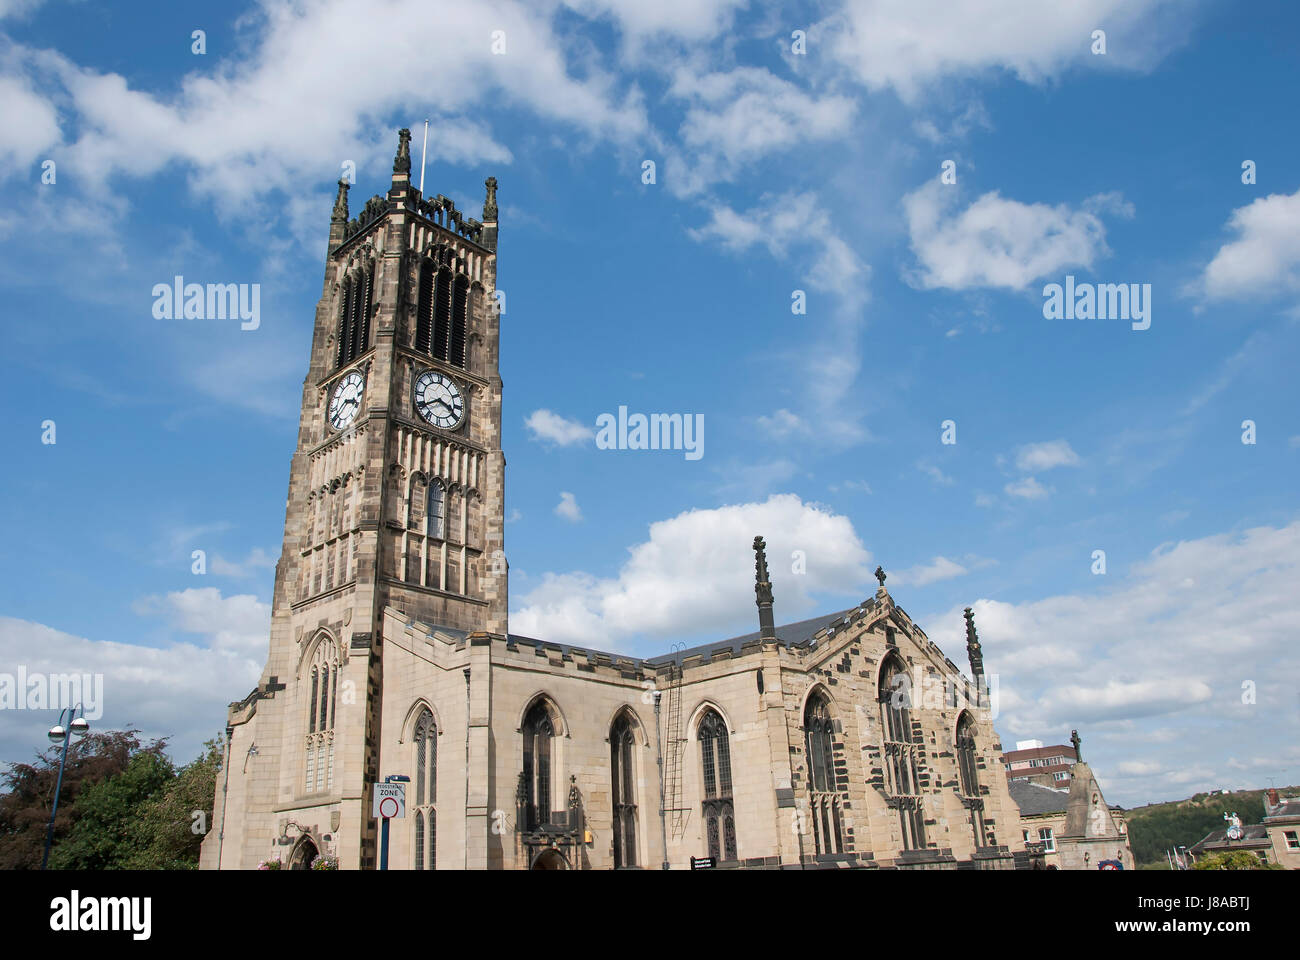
(355, 304)
(442, 309)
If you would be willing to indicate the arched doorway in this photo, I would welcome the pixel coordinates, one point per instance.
(303, 855)
(549, 860)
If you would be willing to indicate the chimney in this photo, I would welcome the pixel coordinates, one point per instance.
(1272, 802)
(763, 592)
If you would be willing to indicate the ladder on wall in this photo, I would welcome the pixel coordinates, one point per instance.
(675, 749)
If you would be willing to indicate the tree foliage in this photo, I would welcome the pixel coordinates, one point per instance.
(123, 805)
(1159, 827)
(1233, 860)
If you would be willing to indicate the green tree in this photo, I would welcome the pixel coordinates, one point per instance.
(27, 792)
(166, 832)
(1233, 860)
(105, 833)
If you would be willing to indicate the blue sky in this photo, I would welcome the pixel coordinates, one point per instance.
(774, 172)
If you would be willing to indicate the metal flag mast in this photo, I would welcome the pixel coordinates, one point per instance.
(423, 149)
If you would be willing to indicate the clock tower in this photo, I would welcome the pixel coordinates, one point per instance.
(396, 501)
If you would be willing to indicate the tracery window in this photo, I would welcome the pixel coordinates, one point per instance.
(718, 810)
(322, 680)
(539, 734)
(900, 748)
(819, 739)
(968, 773)
(623, 790)
(426, 792)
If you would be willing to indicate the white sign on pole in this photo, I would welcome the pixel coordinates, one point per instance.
(390, 801)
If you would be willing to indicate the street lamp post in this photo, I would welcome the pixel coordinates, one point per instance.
(77, 724)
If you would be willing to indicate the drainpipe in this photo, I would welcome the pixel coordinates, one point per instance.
(659, 750)
(225, 788)
(466, 816)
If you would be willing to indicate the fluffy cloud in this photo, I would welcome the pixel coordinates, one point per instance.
(553, 428)
(1265, 256)
(259, 122)
(568, 509)
(1159, 655)
(695, 575)
(940, 568)
(1033, 457)
(907, 45)
(179, 690)
(737, 117)
(997, 242)
(1027, 488)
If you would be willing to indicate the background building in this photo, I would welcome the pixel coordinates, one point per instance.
(1076, 827)
(1034, 763)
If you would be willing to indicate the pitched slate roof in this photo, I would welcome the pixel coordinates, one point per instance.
(1251, 835)
(1034, 799)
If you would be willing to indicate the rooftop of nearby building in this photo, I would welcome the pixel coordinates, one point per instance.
(1035, 800)
(1252, 835)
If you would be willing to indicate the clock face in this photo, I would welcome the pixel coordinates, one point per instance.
(346, 400)
(438, 400)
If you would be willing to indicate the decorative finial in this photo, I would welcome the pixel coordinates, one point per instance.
(763, 591)
(402, 162)
(490, 204)
(973, 646)
(341, 203)
(880, 575)
(1074, 739)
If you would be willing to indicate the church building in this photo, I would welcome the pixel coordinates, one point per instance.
(847, 740)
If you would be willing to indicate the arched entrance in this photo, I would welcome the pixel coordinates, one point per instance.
(303, 855)
(549, 860)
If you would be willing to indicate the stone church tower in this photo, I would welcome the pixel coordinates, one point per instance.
(396, 502)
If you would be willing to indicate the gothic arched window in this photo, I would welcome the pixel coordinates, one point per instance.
(426, 791)
(718, 811)
(539, 732)
(623, 790)
(900, 749)
(968, 773)
(819, 741)
(321, 709)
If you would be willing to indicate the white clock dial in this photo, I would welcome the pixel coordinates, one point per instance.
(438, 400)
(346, 400)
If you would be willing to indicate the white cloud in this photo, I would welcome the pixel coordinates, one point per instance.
(782, 423)
(997, 242)
(907, 45)
(935, 474)
(831, 361)
(695, 574)
(1033, 457)
(257, 559)
(178, 690)
(256, 122)
(940, 568)
(1165, 645)
(685, 19)
(31, 124)
(740, 116)
(568, 508)
(239, 624)
(1027, 488)
(553, 428)
(1265, 256)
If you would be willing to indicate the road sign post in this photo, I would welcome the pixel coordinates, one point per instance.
(389, 803)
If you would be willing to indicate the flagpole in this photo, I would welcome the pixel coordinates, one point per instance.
(423, 150)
